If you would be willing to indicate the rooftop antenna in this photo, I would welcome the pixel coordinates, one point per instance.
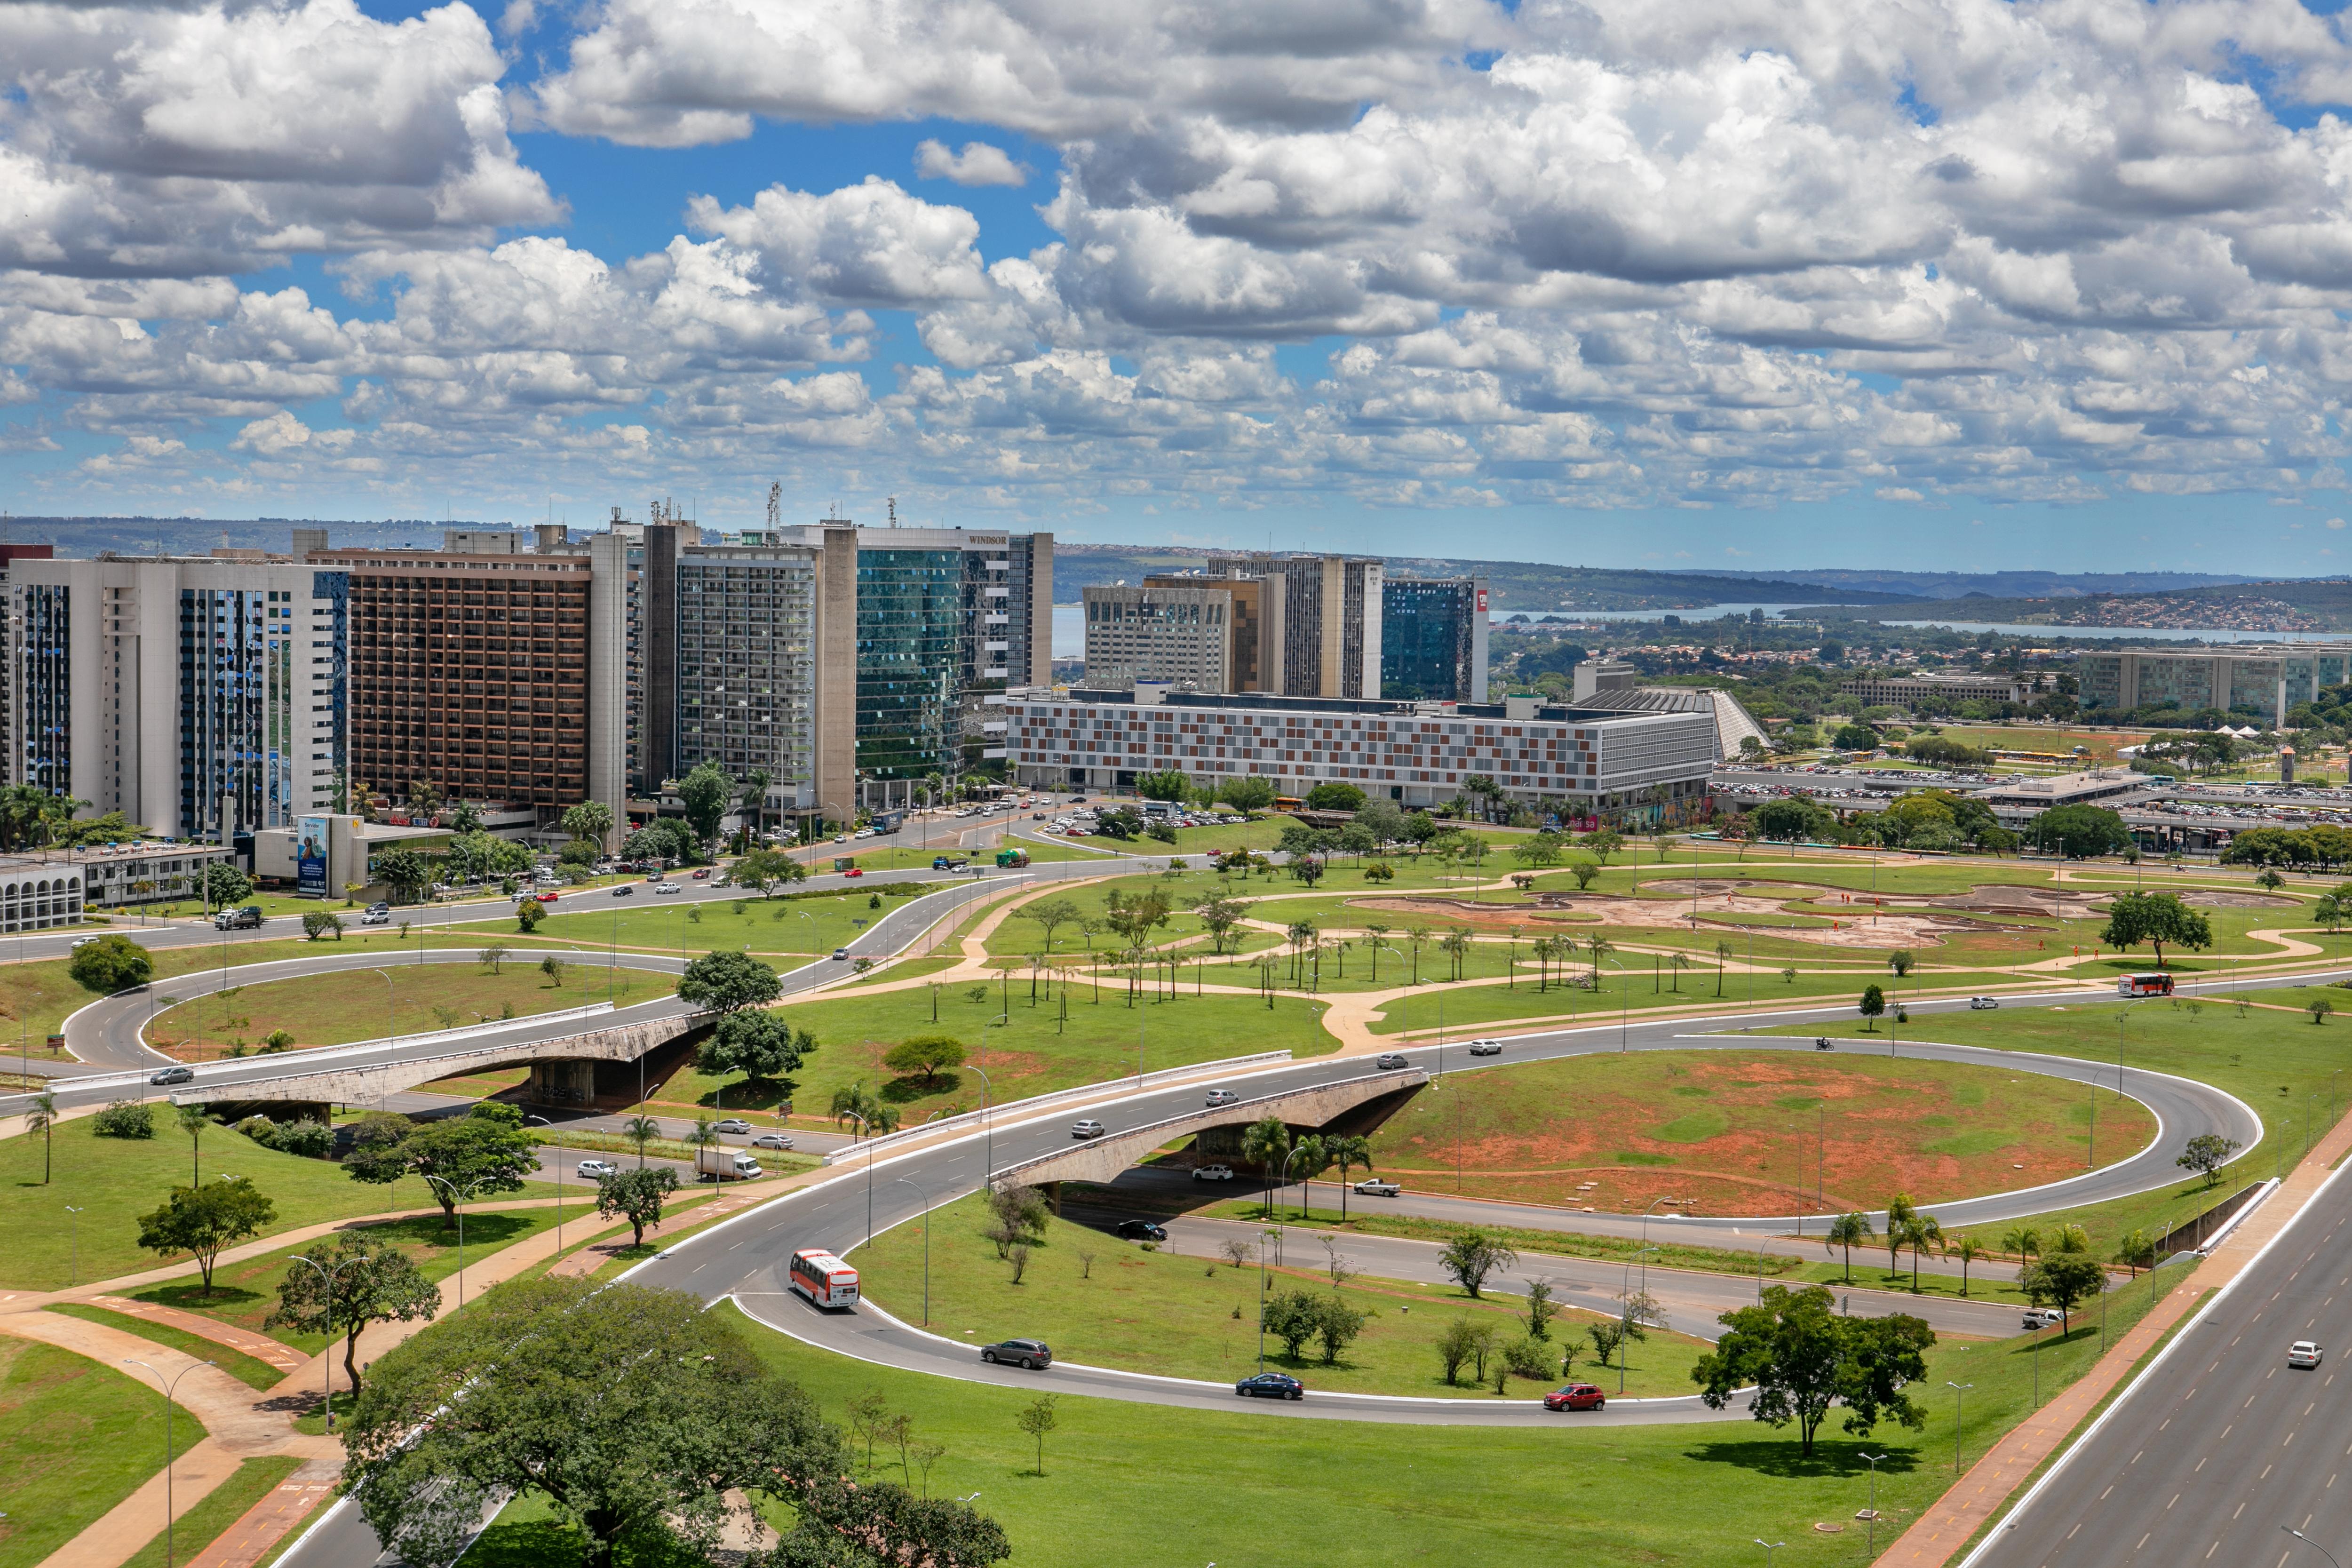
(775, 504)
(892, 504)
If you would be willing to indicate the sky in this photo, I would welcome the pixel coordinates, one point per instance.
(1752, 284)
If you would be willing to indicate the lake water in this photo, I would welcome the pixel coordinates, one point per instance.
(2163, 634)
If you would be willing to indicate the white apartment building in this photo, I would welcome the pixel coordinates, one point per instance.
(200, 696)
(1418, 754)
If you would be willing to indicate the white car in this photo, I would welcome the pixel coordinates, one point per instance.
(376, 917)
(1089, 1128)
(1373, 1187)
(1983, 1004)
(2044, 1318)
(1213, 1173)
(2302, 1352)
(670, 888)
(1223, 1097)
(773, 1141)
(597, 1170)
(1486, 1048)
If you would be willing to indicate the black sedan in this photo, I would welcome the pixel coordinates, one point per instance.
(1141, 1230)
(1271, 1386)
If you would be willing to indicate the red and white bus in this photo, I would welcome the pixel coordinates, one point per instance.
(2144, 985)
(824, 1279)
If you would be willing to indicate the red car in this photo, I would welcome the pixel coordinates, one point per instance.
(1575, 1396)
(703, 875)
(854, 871)
(546, 897)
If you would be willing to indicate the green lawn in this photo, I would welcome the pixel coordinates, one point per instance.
(331, 1009)
(251, 1371)
(1106, 1302)
(2277, 1062)
(786, 926)
(1034, 1050)
(113, 1181)
(1347, 1494)
(222, 1507)
(1463, 1009)
(76, 1438)
(1745, 1132)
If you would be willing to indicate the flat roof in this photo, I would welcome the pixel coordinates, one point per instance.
(1386, 708)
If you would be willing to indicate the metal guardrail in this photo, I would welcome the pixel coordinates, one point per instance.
(1058, 1097)
(1414, 1080)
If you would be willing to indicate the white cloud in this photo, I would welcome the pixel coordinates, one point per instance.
(978, 165)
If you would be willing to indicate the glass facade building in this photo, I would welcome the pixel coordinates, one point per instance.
(912, 657)
(2264, 683)
(1434, 639)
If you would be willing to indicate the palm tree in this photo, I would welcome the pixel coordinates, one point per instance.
(1345, 1150)
(1920, 1231)
(1416, 938)
(1379, 935)
(1722, 956)
(1676, 962)
(1899, 1209)
(1513, 972)
(1848, 1231)
(2137, 1252)
(2021, 1241)
(43, 1117)
(1965, 1247)
(1600, 947)
(1299, 932)
(704, 1134)
(1456, 946)
(641, 1130)
(1310, 1157)
(1265, 1141)
(2072, 1239)
(193, 1119)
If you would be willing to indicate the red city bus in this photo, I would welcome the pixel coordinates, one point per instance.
(2144, 985)
(824, 1279)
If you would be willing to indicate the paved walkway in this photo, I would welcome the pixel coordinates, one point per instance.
(1955, 1518)
(271, 1519)
(261, 1347)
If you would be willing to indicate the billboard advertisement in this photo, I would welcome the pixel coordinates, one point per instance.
(1481, 601)
(310, 857)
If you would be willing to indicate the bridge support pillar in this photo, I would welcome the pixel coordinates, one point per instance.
(1052, 1191)
(562, 1083)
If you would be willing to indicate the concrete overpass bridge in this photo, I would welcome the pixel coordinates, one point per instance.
(1341, 1106)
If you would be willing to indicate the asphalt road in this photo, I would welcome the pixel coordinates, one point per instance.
(2220, 1443)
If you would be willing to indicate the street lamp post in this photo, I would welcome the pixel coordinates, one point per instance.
(1769, 1547)
(327, 1361)
(867, 1133)
(1624, 1305)
(1957, 1390)
(1646, 1234)
(1871, 1517)
(2313, 1544)
(73, 1245)
(457, 1202)
(168, 1386)
(987, 1129)
(1624, 1008)
(927, 1247)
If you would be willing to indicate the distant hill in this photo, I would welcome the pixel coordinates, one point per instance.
(2302, 605)
(85, 536)
(2021, 585)
(1514, 585)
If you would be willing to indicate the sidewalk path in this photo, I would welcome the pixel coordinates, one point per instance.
(269, 1521)
(261, 1347)
(1955, 1518)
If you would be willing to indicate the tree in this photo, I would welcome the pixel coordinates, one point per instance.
(1247, 793)
(2021, 1240)
(2136, 1251)
(2063, 1280)
(636, 1197)
(590, 819)
(193, 1120)
(926, 1053)
(1801, 1358)
(2157, 918)
(727, 982)
(404, 872)
(1051, 915)
(225, 885)
(1471, 1255)
(1539, 852)
(2206, 1154)
(41, 1117)
(1036, 1418)
(1919, 1232)
(1900, 1212)
(379, 1150)
(757, 1044)
(2319, 1007)
(1541, 1309)
(708, 792)
(205, 1221)
(1265, 1143)
(1168, 784)
(767, 870)
(111, 964)
(317, 924)
(529, 912)
(633, 1412)
(1455, 1344)
(2078, 832)
(1347, 1150)
(362, 1284)
(1968, 1249)
(1872, 1005)
(1335, 796)
(1847, 1231)
(1792, 817)
(1292, 1317)
(493, 957)
(475, 1152)
(1218, 918)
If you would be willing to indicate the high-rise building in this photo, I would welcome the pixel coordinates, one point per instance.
(1326, 629)
(2259, 682)
(470, 672)
(11, 759)
(1433, 638)
(200, 696)
(1179, 632)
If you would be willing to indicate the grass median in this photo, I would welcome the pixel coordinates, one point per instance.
(220, 1509)
(76, 1438)
(250, 1371)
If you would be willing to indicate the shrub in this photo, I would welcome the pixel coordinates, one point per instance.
(125, 1118)
(114, 962)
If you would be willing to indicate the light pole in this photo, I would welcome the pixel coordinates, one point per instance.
(987, 1129)
(1871, 1515)
(927, 1247)
(391, 1008)
(168, 1387)
(2313, 1544)
(2120, 1016)
(73, 1243)
(1957, 1390)
(1769, 1547)
(1646, 1234)
(1624, 1306)
(1624, 1008)
(326, 1361)
(867, 1133)
(457, 1202)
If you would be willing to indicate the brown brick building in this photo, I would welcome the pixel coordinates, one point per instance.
(470, 672)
